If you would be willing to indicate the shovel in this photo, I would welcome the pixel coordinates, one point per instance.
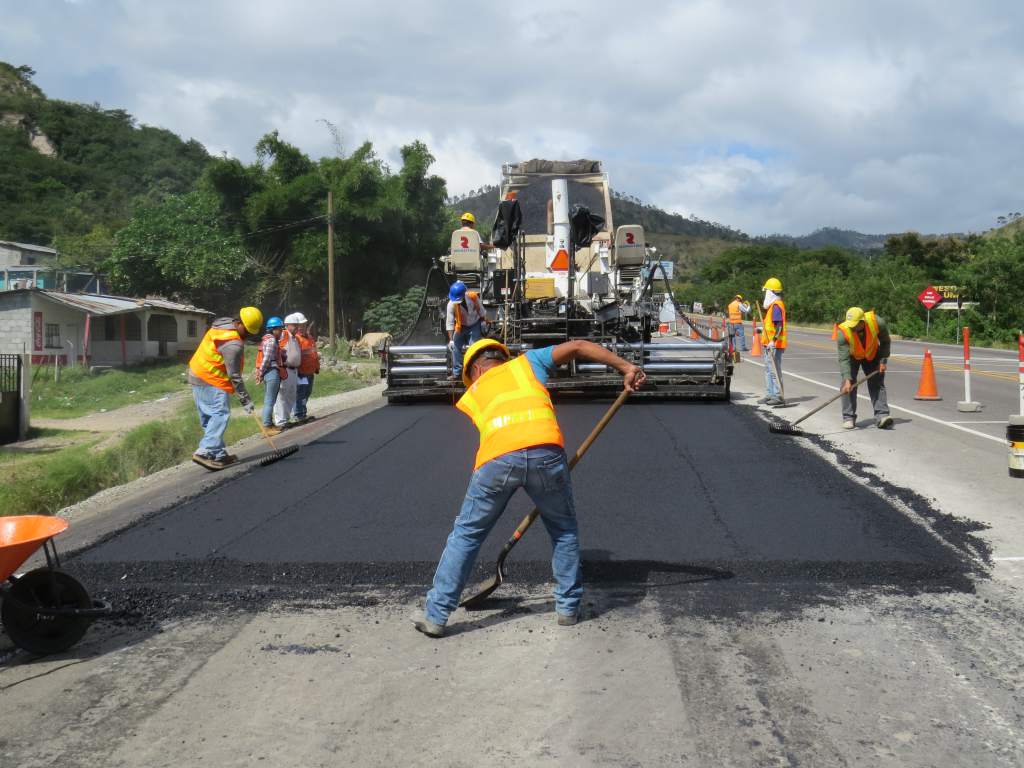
(785, 428)
(485, 590)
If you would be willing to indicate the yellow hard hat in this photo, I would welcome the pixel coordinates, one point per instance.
(251, 318)
(853, 316)
(739, 297)
(772, 284)
(475, 350)
(467, 216)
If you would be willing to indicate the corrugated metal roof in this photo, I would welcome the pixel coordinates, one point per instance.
(29, 246)
(115, 305)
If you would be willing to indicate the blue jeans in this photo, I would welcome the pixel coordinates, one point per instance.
(739, 337)
(214, 410)
(772, 386)
(543, 472)
(302, 393)
(463, 339)
(272, 385)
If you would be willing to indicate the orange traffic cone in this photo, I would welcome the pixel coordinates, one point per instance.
(693, 333)
(835, 331)
(926, 387)
(755, 346)
(714, 334)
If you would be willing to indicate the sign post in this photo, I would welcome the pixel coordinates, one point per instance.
(930, 298)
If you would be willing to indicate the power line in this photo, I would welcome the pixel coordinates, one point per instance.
(290, 225)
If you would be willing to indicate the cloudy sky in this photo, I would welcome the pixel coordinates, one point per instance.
(769, 115)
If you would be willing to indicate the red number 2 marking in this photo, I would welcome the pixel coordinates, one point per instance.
(465, 241)
(630, 239)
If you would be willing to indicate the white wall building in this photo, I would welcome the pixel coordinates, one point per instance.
(97, 330)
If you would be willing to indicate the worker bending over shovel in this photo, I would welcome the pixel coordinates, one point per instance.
(863, 343)
(521, 446)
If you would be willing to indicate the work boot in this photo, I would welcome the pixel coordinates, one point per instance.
(426, 626)
(568, 619)
(764, 400)
(849, 423)
(209, 462)
(273, 431)
(885, 422)
(776, 402)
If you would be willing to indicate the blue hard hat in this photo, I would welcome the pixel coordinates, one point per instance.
(275, 322)
(457, 291)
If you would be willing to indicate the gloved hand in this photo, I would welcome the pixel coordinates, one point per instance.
(249, 407)
(451, 346)
(770, 345)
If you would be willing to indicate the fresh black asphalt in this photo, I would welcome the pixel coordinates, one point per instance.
(667, 485)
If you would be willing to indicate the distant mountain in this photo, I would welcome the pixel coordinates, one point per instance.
(831, 236)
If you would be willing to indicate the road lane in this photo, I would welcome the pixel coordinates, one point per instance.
(994, 381)
(674, 483)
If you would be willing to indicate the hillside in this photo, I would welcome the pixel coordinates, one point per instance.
(71, 170)
(831, 236)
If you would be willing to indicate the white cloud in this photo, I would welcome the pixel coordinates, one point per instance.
(783, 115)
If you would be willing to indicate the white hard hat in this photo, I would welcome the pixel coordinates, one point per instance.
(296, 317)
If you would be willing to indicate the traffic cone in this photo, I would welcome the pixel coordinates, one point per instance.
(835, 331)
(714, 334)
(693, 333)
(755, 345)
(926, 387)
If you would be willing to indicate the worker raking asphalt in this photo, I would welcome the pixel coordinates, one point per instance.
(669, 486)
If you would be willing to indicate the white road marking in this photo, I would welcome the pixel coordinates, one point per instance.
(918, 414)
(979, 422)
(1008, 559)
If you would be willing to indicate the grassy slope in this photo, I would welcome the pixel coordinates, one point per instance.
(44, 482)
(80, 392)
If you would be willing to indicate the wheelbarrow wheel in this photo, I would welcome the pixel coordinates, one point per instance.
(36, 632)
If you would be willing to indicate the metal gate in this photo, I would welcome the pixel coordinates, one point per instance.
(10, 398)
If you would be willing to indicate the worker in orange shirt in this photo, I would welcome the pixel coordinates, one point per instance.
(737, 309)
(309, 367)
(215, 373)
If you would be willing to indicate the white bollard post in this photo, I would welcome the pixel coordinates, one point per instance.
(1020, 369)
(967, 405)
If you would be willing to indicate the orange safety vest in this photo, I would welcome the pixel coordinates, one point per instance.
(475, 298)
(869, 349)
(310, 359)
(770, 331)
(208, 364)
(735, 315)
(281, 370)
(512, 410)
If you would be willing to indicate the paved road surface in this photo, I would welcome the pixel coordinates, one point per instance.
(752, 600)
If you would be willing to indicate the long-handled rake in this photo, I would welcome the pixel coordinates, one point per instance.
(275, 455)
(785, 428)
(476, 600)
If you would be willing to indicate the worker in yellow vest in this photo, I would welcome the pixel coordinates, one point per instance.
(521, 446)
(215, 373)
(773, 341)
(737, 309)
(864, 345)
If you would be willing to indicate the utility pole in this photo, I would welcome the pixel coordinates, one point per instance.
(330, 267)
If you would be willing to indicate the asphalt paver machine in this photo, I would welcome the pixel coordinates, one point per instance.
(559, 270)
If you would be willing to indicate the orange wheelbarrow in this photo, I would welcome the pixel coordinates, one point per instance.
(45, 610)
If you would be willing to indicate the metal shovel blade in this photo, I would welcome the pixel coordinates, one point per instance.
(476, 601)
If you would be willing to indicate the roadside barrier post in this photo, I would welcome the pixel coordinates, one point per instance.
(1020, 370)
(1015, 427)
(967, 405)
